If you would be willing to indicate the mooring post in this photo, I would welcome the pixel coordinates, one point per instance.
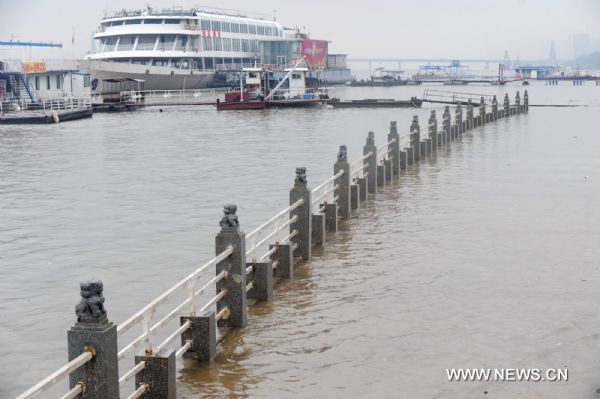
(459, 119)
(158, 375)
(482, 111)
(370, 162)
(433, 130)
(518, 102)
(525, 102)
(343, 183)
(415, 139)
(506, 106)
(235, 266)
(446, 125)
(94, 333)
(302, 240)
(203, 336)
(394, 148)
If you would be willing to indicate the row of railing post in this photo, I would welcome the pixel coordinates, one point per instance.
(244, 280)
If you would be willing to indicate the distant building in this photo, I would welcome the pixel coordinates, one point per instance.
(534, 72)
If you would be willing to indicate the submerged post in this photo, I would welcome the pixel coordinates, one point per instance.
(302, 240)
(506, 106)
(235, 266)
(95, 334)
(158, 375)
(415, 138)
(394, 148)
(343, 183)
(525, 102)
(518, 103)
(370, 162)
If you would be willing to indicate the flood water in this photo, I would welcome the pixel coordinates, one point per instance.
(485, 256)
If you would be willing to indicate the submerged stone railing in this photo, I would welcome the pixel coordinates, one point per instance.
(242, 272)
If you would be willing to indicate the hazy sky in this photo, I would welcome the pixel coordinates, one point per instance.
(375, 28)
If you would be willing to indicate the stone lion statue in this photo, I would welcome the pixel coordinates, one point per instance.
(229, 218)
(91, 305)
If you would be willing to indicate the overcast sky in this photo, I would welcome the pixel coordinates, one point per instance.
(374, 28)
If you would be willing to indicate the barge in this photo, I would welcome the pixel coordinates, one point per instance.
(376, 103)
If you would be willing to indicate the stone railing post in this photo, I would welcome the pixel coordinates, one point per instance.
(525, 102)
(94, 333)
(415, 138)
(494, 108)
(343, 183)
(459, 120)
(433, 131)
(470, 117)
(394, 148)
(235, 266)
(518, 103)
(506, 106)
(446, 124)
(371, 163)
(482, 111)
(304, 212)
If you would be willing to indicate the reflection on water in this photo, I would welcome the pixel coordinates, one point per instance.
(486, 256)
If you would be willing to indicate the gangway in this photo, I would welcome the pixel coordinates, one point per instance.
(454, 97)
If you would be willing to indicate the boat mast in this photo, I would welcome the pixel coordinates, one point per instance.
(284, 78)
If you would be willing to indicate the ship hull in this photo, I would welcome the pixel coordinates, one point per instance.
(154, 78)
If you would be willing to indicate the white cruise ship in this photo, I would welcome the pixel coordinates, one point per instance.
(175, 48)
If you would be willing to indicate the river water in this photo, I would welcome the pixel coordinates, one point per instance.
(485, 256)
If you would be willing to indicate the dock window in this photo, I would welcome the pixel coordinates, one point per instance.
(86, 80)
(48, 82)
(37, 82)
(57, 81)
(172, 21)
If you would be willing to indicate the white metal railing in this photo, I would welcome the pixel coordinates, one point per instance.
(51, 104)
(155, 97)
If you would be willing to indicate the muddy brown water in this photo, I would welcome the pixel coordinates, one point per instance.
(485, 256)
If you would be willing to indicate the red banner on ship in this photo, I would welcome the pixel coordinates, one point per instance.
(315, 52)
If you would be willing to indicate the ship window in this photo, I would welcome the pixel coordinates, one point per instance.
(218, 44)
(86, 80)
(296, 76)
(243, 28)
(207, 44)
(37, 82)
(269, 31)
(235, 27)
(58, 81)
(205, 24)
(245, 46)
(252, 29)
(146, 42)
(152, 21)
(172, 21)
(160, 62)
(133, 22)
(116, 23)
(126, 43)
(225, 26)
(165, 42)
(47, 82)
(181, 43)
(216, 25)
(195, 43)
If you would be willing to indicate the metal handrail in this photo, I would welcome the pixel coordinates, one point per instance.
(58, 375)
(127, 324)
(328, 180)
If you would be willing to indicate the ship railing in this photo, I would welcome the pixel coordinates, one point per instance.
(160, 97)
(233, 66)
(48, 104)
(287, 94)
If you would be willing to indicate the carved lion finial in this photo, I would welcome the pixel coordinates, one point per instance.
(300, 175)
(343, 154)
(229, 218)
(371, 138)
(481, 101)
(494, 100)
(91, 306)
(393, 127)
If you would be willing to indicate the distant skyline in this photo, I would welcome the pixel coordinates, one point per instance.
(458, 29)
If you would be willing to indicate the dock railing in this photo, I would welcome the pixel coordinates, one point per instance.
(452, 97)
(273, 250)
(45, 105)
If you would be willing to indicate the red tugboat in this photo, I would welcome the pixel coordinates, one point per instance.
(291, 91)
(248, 97)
